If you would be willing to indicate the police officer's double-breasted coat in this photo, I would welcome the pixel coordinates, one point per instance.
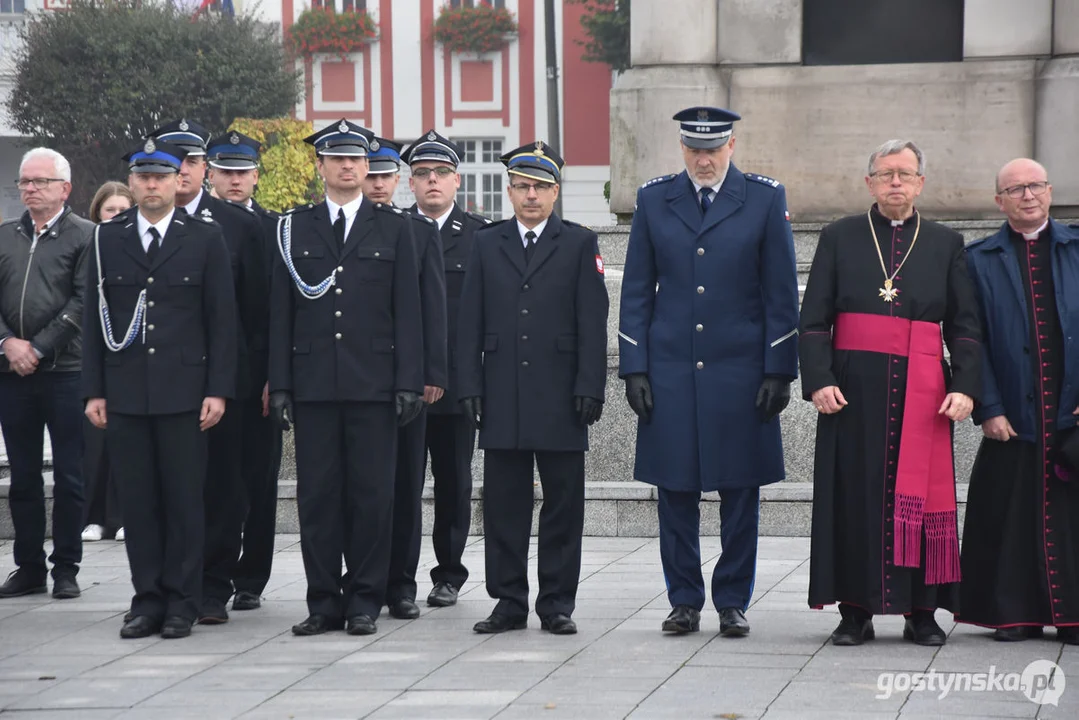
(709, 306)
(533, 336)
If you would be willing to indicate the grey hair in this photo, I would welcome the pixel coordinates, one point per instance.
(894, 147)
(63, 167)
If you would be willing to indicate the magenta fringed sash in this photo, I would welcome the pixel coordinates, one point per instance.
(925, 479)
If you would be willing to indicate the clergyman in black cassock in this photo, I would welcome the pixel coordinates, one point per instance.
(1021, 535)
(870, 551)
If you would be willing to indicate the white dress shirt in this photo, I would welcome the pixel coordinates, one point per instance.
(193, 207)
(538, 230)
(350, 209)
(441, 220)
(144, 226)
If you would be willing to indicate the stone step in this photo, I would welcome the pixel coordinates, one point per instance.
(612, 509)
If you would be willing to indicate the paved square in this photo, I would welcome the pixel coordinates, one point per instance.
(64, 659)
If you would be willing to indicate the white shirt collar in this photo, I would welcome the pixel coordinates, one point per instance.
(521, 229)
(50, 223)
(713, 188)
(350, 208)
(441, 220)
(144, 226)
(1034, 235)
(193, 207)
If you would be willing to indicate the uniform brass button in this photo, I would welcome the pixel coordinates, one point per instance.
(187, 279)
(150, 279)
(700, 290)
(700, 251)
(150, 326)
(700, 327)
(340, 268)
(305, 253)
(526, 286)
(700, 366)
(151, 351)
(338, 336)
(338, 291)
(150, 304)
(525, 311)
(119, 277)
(377, 254)
(337, 314)
(524, 363)
(458, 266)
(524, 337)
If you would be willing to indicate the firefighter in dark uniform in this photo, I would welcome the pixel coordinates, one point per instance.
(346, 366)
(708, 347)
(224, 481)
(234, 172)
(450, 439)
(159, 361)
(532, 362)
(382, 177)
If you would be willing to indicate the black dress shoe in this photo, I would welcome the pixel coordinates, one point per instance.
(129, 616)
(559, 624)
(683, 619)
(1017, 633)
(140, 626)
(1068, 635)
(499, 623)
(921, 629)
(213, 612)
(443, 594)
(22, 582)
(316, 625)
(246, 601)
(64, 587)
(853, 631)
(403, 609)
(733, 623)
(361, 625)
(175, 627)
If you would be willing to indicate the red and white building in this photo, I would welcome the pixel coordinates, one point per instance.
(404, 83)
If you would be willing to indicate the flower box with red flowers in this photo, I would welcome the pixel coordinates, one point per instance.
(478, 29)
(321, 30)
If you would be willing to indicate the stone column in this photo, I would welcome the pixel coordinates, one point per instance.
(760, 32)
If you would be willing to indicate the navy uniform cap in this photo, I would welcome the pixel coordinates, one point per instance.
(705, 128)
(385, 157)
(188, 134)
(342, 138)
(433, 147)
(155, 156)
(537, 160)
(234, 151)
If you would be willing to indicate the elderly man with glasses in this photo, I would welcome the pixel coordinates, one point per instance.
(1020, 551)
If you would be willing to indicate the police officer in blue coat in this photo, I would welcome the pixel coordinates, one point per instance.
(708, 349)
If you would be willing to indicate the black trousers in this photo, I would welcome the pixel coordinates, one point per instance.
(27, 406)
(450, 440)
(159, 463)
(224, 504)
(345, 457)
(102, 495)
(260, 465)
(507, 524)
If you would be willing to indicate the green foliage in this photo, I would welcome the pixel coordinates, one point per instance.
(287, 175)
(607, 191)
(477, 29)
(321, 30)
(606, 22)
(93, 80)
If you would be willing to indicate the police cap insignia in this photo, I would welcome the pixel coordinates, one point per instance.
(431, 135)
(375, 145)
(539, 147)
(343, 127)
(149, 148)
(234, 139)
(184, 126)
(702, 115)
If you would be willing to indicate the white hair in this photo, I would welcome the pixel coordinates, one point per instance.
(894, 147)
(63, 167)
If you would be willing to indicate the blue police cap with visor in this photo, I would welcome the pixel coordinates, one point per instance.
(433, 147)
(384, 158)
(188, 134)
(705, 128)
(155, 156)
(234, 151)
(341, 139)
(537, 161)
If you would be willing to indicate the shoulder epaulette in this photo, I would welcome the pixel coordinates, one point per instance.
(493, 224)
(386, 207)
(122, 217)
(482, 219)
(574, 224)
(241, 206)
(299, 209)
(423, 219)
(979, 241)
(763, 179)
(660, 179)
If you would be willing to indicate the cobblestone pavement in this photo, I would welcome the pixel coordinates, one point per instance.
(64, 659)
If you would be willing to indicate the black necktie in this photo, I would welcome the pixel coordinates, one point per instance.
(155, 244)
(339, 229)
(530, 246)
(706, 199)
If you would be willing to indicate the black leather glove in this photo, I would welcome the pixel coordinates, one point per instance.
(473, 407)
(281, 408)
(588, 409)
(773, 397)
(409, 405)
(639, 395)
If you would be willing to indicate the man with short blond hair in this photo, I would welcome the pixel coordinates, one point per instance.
(1020, 563)
(42, 256)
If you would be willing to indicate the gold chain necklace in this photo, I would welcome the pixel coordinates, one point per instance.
(888, 292)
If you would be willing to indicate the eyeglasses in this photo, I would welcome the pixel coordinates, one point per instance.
(39, 183)
(441, 172)
(886, 176)
(523, 188)
(1017, 191)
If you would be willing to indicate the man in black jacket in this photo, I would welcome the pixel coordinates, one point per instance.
(247, 255)
(42, 274)
(346, 364)
(160, 361)
(532, 362)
